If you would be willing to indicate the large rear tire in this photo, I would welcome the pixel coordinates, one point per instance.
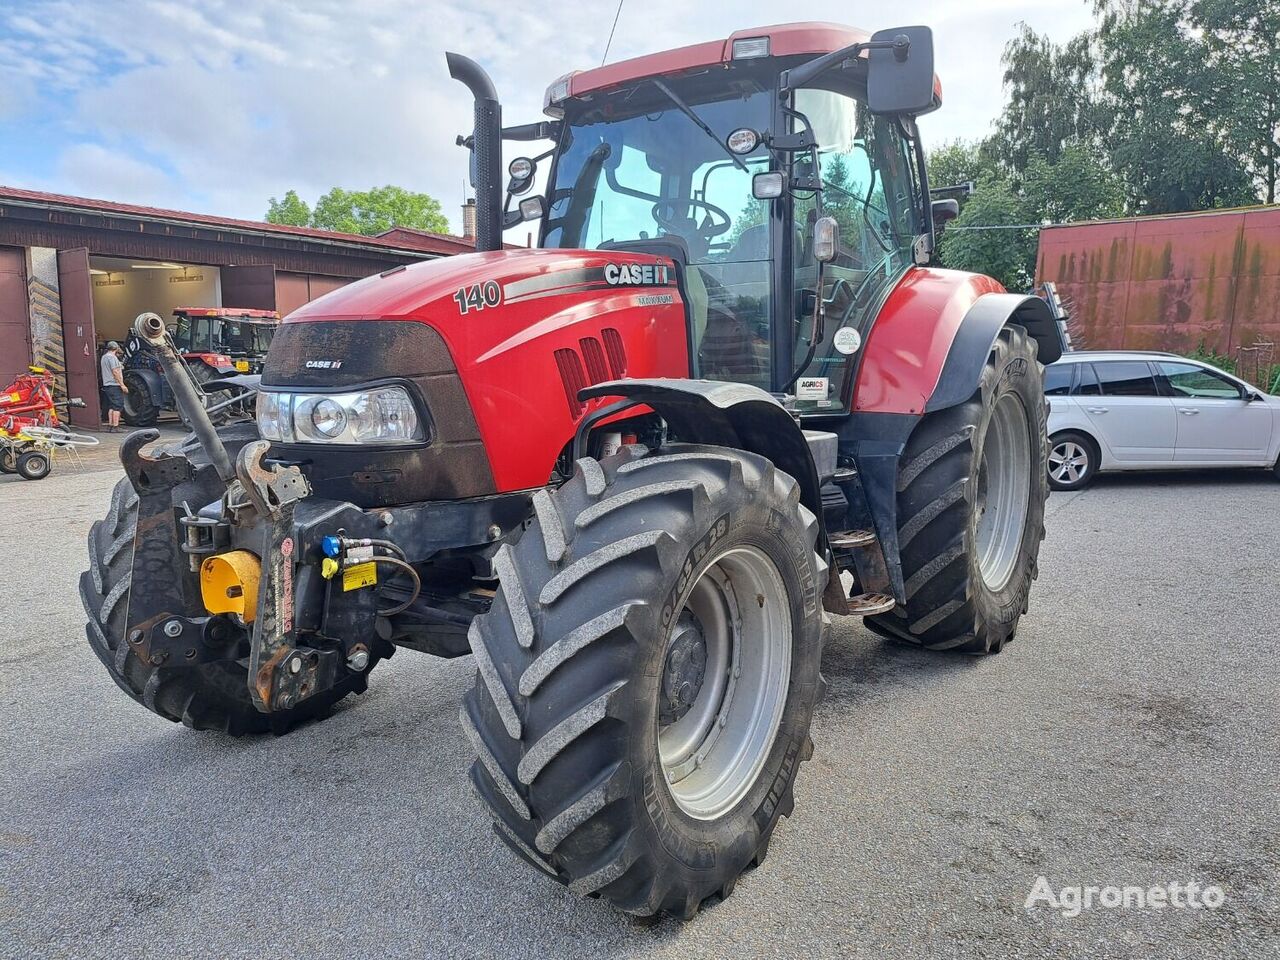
(647, 675)
(971, 494)
(211, 696)
(140, 409)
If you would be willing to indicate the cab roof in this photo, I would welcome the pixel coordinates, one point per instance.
(785, 40)
(243, 313)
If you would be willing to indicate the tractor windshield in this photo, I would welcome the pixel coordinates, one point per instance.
(244, 337)
(636, 167)
(633, 166)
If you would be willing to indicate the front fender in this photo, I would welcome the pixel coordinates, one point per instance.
(728, 414)
(931, 338)
(977, 335)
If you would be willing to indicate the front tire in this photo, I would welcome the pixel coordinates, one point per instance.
(647, 675)
(971, 493)
(1073, 461)
(210, 696)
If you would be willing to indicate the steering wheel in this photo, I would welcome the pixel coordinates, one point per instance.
(666, 213)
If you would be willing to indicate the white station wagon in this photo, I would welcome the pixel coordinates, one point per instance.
(1130, 410)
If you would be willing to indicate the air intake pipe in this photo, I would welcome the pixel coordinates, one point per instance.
(486, 149)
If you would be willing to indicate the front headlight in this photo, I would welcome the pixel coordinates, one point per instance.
(382, 415)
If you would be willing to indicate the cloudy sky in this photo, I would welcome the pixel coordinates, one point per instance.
(217, 105)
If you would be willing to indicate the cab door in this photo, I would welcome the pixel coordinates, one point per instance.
(1216, 421)
(1124, 405)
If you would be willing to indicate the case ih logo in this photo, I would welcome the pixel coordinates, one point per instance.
(635, 274)
(323, 364)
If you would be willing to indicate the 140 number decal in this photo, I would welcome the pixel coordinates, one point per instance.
(478, 296)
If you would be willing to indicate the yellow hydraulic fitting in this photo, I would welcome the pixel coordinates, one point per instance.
(328, 567)
(229, 583)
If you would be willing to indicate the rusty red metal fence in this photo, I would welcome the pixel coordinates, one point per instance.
(1178, 283)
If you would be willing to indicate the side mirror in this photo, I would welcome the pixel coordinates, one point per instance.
(944, 211)
(900, 76)
(767, 186)
(826, 239)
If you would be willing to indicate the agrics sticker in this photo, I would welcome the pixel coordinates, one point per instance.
(812, 388)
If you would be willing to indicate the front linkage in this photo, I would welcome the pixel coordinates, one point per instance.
(237, 565)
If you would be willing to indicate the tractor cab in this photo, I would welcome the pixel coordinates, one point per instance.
(791, 198)
(218, 334)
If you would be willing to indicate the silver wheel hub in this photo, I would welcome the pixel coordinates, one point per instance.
(726, 672)
(1003, 492)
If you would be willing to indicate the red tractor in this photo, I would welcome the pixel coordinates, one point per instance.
(219, 345)
(631, 471)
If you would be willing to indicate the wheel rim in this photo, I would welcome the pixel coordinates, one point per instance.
(1004, 491)
(726, 705)
(1068, 462)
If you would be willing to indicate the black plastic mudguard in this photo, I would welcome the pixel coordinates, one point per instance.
(730, 415)
(977, 335)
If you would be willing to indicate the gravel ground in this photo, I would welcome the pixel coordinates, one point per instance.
(1129, 736)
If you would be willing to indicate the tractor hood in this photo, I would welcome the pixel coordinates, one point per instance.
(498, 343)
(436, 291)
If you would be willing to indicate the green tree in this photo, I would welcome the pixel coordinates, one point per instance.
(1242, 38)
(1165, 137)
(960, 161)
(988, 236)
(1050, 99)
(1079, 186)
(291, 211)
(372, 211)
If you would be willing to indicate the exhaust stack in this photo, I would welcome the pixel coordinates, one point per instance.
(486, 149)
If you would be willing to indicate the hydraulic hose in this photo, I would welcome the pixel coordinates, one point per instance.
(417, 585)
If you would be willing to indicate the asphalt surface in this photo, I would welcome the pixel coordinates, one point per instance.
(1130, 736)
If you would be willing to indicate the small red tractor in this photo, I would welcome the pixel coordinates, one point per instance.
(631, 471)
(218, 345)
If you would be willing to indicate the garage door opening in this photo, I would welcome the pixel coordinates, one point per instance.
(122, 289)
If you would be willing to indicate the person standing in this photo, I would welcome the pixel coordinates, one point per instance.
(113, 385)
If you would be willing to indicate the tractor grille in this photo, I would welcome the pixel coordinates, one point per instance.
(617, 355)
(607, 362)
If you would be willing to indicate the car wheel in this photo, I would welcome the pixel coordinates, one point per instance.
(1073, 461)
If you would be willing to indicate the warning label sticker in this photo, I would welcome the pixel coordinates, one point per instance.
(361, 575)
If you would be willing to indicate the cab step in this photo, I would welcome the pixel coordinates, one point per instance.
(869, 604)
(851, 539)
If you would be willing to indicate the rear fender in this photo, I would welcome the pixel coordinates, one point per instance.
(977, 336)
(156, 386)
(728, 414)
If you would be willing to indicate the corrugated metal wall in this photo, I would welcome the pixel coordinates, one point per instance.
(1168, 283)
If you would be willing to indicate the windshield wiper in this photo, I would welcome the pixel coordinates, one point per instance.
(701, 124)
